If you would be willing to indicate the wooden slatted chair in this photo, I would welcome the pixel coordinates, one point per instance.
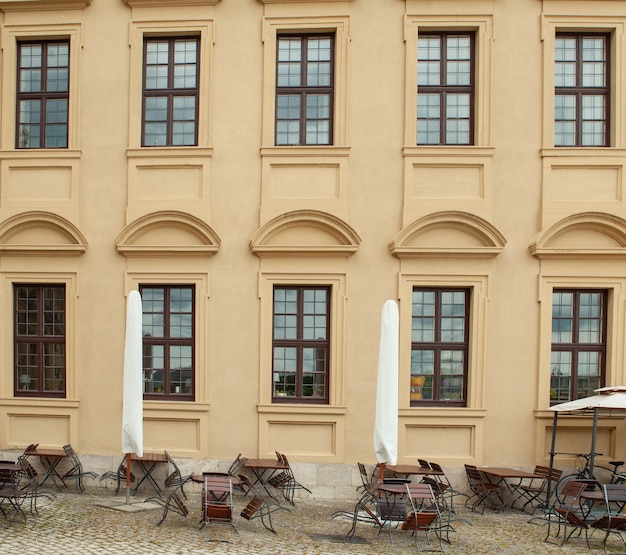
(217, 502)
(614, 519)
(425, 515)
(484, 493)
(568, 514)
(259, 506)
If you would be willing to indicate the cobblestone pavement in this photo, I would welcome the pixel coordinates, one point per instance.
(73, 524)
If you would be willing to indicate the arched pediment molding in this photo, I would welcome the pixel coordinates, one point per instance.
(582, 235)
(168, 233)
(306, 232)
(448, 233)
(40, 233)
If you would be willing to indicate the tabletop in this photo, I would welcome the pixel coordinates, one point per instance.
(502, 472)
(43, 452)
(264, 463)
(408, 469)
(149, 457)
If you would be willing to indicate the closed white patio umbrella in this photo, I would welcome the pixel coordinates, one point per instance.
(132, 414)
(386, 419)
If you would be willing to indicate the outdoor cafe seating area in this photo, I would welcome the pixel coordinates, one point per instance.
(416, 503)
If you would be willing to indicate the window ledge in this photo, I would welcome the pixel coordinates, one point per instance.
(579, 152)
(163, 3)
(28, 5)
(446, 151)
(444, 412)
(41, 153)
(302, 409)
(170, 152)
(40, 402)
(305, 151)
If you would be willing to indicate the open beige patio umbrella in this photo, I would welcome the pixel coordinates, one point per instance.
(132, 414)
(607, 400)
(386, 419)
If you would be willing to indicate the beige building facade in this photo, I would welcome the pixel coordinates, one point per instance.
(267, 173)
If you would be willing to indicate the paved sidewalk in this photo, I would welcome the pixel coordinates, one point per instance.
(74, 524)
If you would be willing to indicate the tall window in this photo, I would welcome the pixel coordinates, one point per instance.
(578, 343)
(301, 344)
(581, 101)
(42, 94)
(168, 341)
(304, 89)
(39, 335)
(170, 92)
(439, 346)
(445, 89)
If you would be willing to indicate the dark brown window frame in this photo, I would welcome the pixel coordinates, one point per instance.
(39, 339)
(170, 92)
(168, 341)
(575, 347)
(42, 95)
(300, 344)
(444, 89)
(579, 90)
(303, 90)
(437, 346)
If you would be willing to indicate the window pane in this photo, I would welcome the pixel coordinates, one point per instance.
(561, 370)
(30, 126)
(319, 62)
(157, 68)
(185, 64)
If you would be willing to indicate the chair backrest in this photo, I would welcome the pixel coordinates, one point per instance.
(72, 456)
(541, 471)
(474, 476)
(424, 464)
(614, 493)
(570, 493)
(236, 465)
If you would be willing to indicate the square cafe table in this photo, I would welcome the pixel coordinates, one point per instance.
(263, 470)
(502, 475)
(148, 463)
(50, 459)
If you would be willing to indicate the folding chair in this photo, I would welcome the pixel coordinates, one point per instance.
(259, 507)
(614, 520)
(175, 479)
(12, 495)
(484, 493)
(118, 475)
(217, 502)
(425, 515)
(172, 500)
(285, 481)
(366, 507)
(568, 513)
(76, 471)
(532, 492)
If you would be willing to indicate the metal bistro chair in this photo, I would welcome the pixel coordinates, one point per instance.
(285, 481)
(532, 493)
(175, 478)
(569, 514)
(217, 502)
(484, 493)
(425, 515)
(366, 507)
(259, 506)
(76, 471)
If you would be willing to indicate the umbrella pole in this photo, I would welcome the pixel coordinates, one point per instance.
(381, 471)
(552, 448)
(128, 478)
(593, 442)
